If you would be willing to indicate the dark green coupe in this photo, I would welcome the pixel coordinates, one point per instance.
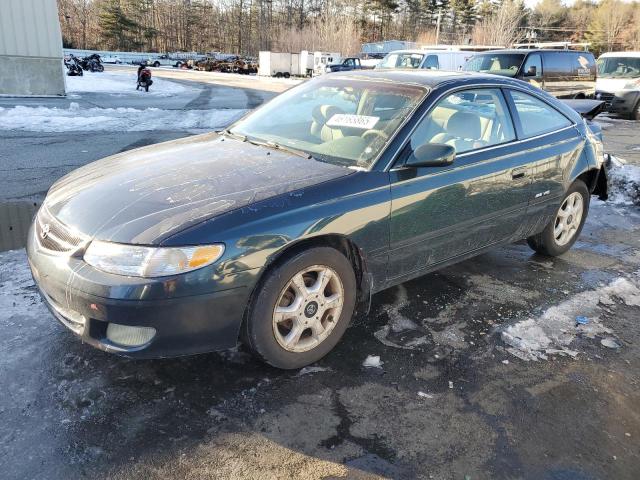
(274, 231)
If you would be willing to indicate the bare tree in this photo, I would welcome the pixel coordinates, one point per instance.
(502, 27)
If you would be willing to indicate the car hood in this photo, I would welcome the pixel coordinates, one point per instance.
(612, 85)
(146, 195)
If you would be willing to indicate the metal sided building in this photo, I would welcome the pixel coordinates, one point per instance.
(30, 48)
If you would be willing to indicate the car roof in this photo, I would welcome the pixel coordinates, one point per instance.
(524, 51)
(424, 77)
(620, 54)
(431, 52)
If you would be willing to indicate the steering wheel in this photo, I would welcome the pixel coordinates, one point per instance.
(373, 134)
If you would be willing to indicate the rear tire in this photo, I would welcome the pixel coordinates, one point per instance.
(565, 227)
(302, 308)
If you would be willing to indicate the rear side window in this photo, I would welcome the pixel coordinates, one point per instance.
(537, 117)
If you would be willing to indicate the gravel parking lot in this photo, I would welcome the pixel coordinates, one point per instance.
(453, 398)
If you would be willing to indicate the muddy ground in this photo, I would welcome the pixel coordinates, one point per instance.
(448, 402)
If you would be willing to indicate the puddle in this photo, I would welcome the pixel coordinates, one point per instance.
(15, 219)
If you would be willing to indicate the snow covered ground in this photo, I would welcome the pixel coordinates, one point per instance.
(554, 331)
(624, 183)
(78, 119)
(121, 83)
(109, 102)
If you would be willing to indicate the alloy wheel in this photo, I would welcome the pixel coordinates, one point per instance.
(568, 219)
(308, 308)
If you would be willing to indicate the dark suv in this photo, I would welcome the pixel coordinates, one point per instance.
(562, 73)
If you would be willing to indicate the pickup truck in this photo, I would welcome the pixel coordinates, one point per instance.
(348, 64)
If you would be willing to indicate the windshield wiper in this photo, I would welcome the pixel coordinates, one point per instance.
(237, 136)
(277, 146)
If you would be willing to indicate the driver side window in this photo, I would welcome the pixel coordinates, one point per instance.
(467, 120)
(533, 60)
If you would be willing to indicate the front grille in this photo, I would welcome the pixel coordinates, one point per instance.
(54, 236)
(606, 97)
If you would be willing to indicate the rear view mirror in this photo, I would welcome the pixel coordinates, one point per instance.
(532, 72)
(431, 155)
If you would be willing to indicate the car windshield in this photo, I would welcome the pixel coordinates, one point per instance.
(506, 64)
(340, 121)
(619, 67)
(401, 60)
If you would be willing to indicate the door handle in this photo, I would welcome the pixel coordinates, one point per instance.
(516, 174)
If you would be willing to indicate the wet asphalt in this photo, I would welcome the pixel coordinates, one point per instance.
(69, 411)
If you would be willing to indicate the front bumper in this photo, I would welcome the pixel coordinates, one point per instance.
(85, 300)
(622, 102)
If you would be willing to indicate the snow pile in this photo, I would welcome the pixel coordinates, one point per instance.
(120, 83)
(553, 332)
(75, 118)
(624, 182)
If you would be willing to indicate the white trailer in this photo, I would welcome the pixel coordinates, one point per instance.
(274, 64)
(294, 68)
(306, 63)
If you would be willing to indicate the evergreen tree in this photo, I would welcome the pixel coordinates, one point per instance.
(116, 27)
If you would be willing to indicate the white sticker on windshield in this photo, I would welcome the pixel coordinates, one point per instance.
(356, 121)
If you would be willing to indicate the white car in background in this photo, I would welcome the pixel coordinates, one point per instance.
(111, 59)
(618, 83)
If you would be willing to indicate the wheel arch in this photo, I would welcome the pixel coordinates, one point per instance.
(342, 244)
(596, 181)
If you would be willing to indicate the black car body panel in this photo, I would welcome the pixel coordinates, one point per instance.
(262, 204)
(148, 194)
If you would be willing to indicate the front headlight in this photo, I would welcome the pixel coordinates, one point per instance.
(632, 85)
(139, 261)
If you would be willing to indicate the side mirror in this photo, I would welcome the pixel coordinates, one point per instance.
(532, 72)
(431, 155)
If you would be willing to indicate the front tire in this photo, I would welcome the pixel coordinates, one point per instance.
(563, 231)
(302, 309)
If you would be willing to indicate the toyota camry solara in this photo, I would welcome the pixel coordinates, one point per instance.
(274, 232)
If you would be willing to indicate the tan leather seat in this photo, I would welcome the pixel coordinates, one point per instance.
(463, 132)
(321, 115)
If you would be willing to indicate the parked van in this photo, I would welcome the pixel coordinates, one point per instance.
(427, 59)
(562, 73)
(619, 83)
